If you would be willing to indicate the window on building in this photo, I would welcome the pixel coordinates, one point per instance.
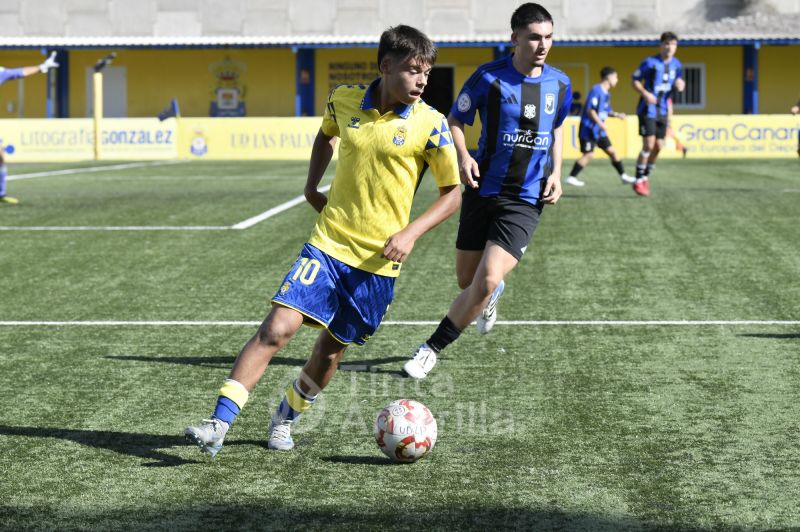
(694, 96)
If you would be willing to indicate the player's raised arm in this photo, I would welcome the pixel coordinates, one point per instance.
(48, 63)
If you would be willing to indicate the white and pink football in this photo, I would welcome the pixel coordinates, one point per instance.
(405, 430)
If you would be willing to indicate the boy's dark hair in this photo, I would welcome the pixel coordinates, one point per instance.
(668, 36)
(404, 41)
(607, 71)
(528, 14)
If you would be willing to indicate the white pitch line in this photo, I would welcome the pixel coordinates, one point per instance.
(89, 169)
(250, 222)
(120, 228)
(590, 323)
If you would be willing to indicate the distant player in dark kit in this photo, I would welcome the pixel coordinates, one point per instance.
(593, 132)
(655, 80)
(7, 74)
(796, 109)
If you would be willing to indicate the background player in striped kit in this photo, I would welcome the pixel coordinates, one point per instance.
(796, 109)
(522, 104)
(654, 80)
(592, 131)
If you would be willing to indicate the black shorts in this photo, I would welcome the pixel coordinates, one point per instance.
(588, 143)
(507, 222)
(649, 127)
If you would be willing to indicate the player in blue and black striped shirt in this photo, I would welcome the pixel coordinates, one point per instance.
(592, 131)
(522, 103)
(654, 80)
(796, 109)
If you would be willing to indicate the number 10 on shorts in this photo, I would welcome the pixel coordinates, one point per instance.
(307, 270)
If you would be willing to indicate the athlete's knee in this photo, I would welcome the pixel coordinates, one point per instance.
(464, 280)
(330, 359)
(466, 266)
(486, 284)
(274, 333)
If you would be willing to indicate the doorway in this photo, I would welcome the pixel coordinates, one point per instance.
(115, 92)
(439, 91)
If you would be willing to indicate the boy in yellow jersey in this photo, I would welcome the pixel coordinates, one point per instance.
(343, 280)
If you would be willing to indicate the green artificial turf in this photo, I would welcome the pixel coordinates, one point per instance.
(552, 426)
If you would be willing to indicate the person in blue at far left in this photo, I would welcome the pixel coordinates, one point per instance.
(7, 74)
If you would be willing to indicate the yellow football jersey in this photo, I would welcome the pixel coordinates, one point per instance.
(381, 159)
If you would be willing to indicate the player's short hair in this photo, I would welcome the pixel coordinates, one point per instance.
(607, 71)
(528, 14)
(668, 36)
(402, 42)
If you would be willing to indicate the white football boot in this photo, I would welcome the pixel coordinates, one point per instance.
(574, 181)
(209, 435)
(280, 436)
(421, 363)
(486, 319)
(627, 179)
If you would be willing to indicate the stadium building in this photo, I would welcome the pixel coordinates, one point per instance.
(273, 60)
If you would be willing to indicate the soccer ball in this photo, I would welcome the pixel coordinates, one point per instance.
(405, 430)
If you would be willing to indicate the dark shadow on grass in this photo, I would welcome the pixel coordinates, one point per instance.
(213, 362)
(367, 366)
(361, 460)
(780, 336)
(273, 513)
(130, 443)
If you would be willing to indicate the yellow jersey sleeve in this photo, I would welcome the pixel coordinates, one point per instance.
(329, 125)
(440, 154)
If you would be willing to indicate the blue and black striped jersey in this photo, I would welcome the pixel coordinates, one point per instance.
(519, 115)
(598, 100)
(658, 78)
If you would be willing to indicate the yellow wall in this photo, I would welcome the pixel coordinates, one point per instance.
(723, 73)
(35, 87)
(779, 78)
(156, 76)
(724, 65)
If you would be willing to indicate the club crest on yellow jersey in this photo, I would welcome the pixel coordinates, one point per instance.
(400, 136)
